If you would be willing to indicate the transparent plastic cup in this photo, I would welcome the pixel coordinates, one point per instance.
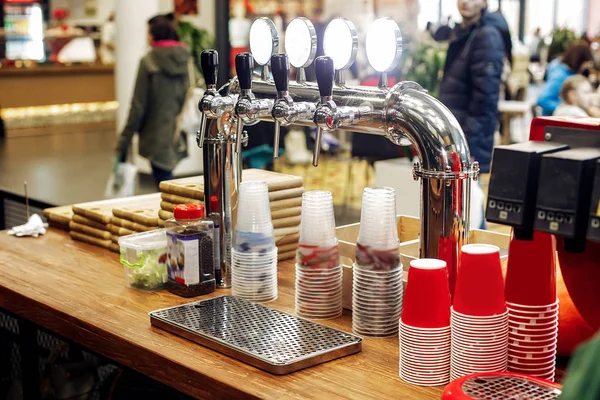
(378, 218)
(317, 226)
(253, 213)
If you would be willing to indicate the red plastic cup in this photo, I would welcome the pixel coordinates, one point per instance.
(427, 295)
(479, 284)
(532, 321)
(529, 363)
(531, 344)
(531, 270)
(521, 308)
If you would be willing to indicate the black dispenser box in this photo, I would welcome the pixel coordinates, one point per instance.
(513, 184)
(594, 224)
(564, 194)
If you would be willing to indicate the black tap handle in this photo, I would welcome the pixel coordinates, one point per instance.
(325, 74)
(209, 60)
(244, 64)
(280, 66)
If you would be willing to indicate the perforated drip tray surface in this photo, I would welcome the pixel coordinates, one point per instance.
(277, 342)
(507, 387)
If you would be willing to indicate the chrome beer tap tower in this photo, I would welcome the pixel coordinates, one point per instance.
(404, 113)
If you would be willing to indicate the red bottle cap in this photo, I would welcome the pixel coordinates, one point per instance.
(214, 204)
(188, 211)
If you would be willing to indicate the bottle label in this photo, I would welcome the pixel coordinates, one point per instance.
(183, 259)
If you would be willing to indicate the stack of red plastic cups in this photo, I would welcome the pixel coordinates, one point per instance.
(318, 268)
(479, 317)
(425, 324)
(377, 285)
(532, 306)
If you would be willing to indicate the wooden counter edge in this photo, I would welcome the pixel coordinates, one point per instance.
(57, 70)
(104, 343)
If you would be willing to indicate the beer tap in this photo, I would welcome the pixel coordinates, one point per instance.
(212, 105)
(285, 110)
(328, 116)
(248, 108)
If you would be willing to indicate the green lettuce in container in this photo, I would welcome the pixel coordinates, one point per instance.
(144, 259)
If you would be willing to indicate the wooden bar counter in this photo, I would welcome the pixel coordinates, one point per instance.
(78, 291)
(56, 84)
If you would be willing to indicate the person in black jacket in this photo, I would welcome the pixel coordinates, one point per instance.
(471, 84)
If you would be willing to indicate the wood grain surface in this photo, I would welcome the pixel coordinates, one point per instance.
(89, 222)
(120, 231)
(286, 222)
(287, 238)
(88, 230)
(193, 187)
(78, 291)
(95, 241)
(61, 215)
(174, 199)
(286, 212)
(132, 226)
(144, 214)
(101, 211)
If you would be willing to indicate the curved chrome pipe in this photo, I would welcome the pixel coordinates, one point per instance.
(406, 111)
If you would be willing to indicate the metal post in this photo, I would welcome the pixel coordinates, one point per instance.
(440, 12)
(555, 15)
(222, 39)
(522, 14)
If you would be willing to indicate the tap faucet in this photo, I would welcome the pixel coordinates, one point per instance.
(328, 116)
(247, 108)
(285, 110)
(212, 105)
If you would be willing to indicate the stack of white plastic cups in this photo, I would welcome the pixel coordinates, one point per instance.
(377, 273)
(254, 255)
(318, 268)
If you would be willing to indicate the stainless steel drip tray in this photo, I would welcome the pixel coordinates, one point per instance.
(272, 340)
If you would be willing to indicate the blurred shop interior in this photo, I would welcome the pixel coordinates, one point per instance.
(68, 67)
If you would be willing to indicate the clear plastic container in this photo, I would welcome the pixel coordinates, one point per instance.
(144, 259)
(190, 253)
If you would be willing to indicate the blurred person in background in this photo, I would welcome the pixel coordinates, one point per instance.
(535, 45)
(428, 33)
(108, 40)
(576, 60)
(576, 96)
(470, 87)
(443, 33)
(158, 98)
(471, 84)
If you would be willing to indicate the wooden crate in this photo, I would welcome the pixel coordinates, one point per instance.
(408, 233)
